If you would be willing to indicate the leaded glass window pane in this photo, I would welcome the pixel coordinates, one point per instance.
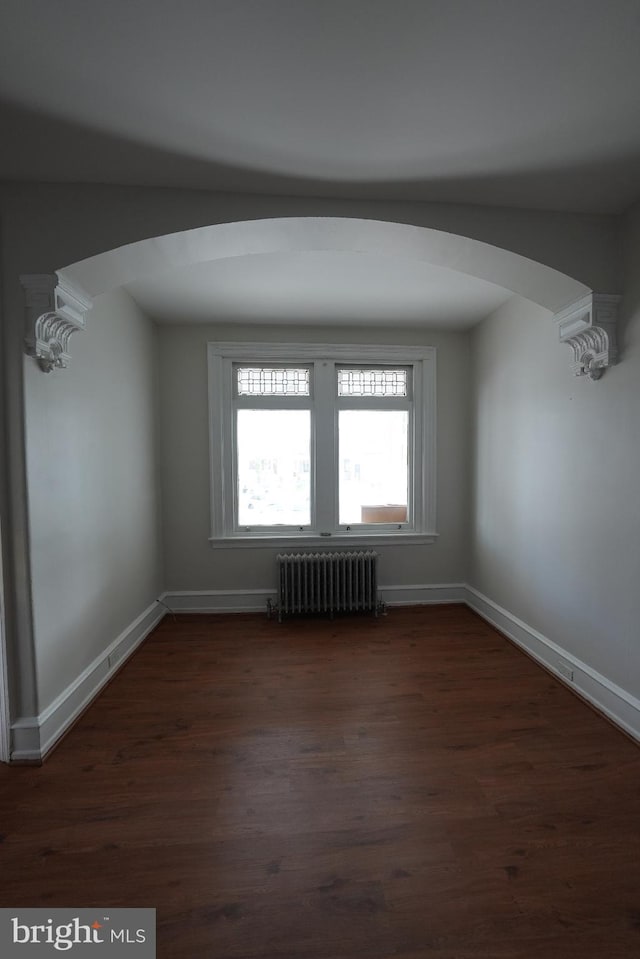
(372, 382)
(272, 381)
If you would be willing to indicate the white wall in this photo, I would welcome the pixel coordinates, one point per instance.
(93, 492)
(556, 504)
(190, 563)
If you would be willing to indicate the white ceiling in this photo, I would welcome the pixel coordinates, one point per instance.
(532, 103)
(318, 287)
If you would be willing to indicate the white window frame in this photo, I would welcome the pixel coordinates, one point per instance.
(222, 357)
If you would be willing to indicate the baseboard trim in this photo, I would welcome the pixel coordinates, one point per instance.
(217, 600)
(255, 600)
(35, 736)
(618, 705)
(426, 595)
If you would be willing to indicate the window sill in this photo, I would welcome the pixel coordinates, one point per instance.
(307, 541)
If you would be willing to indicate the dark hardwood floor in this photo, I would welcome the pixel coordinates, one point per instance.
(412, 786)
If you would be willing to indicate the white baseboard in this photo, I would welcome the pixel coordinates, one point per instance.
(34, 736)
(620, 706)
(423, 595)
(255, 600)
(218, 600)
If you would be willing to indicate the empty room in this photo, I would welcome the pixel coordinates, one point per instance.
(319, 502)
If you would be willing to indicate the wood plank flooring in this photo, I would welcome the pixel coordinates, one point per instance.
(412, 786)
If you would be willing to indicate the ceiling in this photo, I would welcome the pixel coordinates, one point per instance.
(503, 102)
(320, 288)
(530, 104)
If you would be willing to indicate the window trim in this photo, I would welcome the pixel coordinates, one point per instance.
(221, 357)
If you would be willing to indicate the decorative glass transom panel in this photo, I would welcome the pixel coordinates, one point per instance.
(271, 381)
(380, 382)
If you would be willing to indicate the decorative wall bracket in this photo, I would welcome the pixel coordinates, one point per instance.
(54, 311)
(588, 326)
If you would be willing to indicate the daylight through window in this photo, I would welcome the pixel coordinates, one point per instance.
(318, 446)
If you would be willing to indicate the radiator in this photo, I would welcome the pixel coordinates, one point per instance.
(345, 582)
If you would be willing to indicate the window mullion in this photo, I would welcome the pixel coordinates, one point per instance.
(325, 446)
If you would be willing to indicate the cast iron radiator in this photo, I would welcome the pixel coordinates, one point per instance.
(345, 582)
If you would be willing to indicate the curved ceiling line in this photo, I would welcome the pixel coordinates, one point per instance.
(114, 268)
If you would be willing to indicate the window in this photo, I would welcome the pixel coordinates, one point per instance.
(312, 443)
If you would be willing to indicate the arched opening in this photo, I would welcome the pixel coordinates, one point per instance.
(91, 432)
(176, 252)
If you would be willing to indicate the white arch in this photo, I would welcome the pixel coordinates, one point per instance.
(528, 278)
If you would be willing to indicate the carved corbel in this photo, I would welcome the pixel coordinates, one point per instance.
(54, 311)
(588, 326)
